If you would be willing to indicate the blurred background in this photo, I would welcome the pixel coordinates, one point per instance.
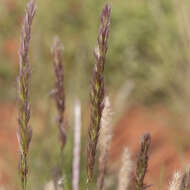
(147, 77)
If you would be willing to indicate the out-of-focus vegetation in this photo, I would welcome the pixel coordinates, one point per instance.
(149, 47)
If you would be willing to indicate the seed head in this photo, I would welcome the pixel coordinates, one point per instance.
(142, 163)
(97, 90)
(124, 177)
(24, 133)
(59, 91)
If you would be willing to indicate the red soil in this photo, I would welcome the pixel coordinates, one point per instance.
(8, 144)
(164, 156)
(10, 49)
(10, 4)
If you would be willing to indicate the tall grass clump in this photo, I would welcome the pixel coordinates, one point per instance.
(97, 90)
(101, 123)
(24, 130)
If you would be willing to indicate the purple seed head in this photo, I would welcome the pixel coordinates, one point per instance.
(97, 90)
(24, 134)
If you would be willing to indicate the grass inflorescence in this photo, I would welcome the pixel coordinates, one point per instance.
(97, 90)
(24, 131)
(59, 90)
(142, 163)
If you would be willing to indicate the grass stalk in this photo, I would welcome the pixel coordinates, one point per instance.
(77, 144)
(24, 133)
(142, 163)
(97, 90)
(59, 91)
(124, 177)
(58, 94)
(104, 142)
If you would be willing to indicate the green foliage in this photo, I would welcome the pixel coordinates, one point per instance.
(144, 42)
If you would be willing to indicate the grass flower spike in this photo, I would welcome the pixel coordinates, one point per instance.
(175, 183)
(58, 94)
(142, 163)
(185, 181)
(106, 127)
(97, 89)
(24, 131)
(58, 91)
(124, 177)
(104, 141)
